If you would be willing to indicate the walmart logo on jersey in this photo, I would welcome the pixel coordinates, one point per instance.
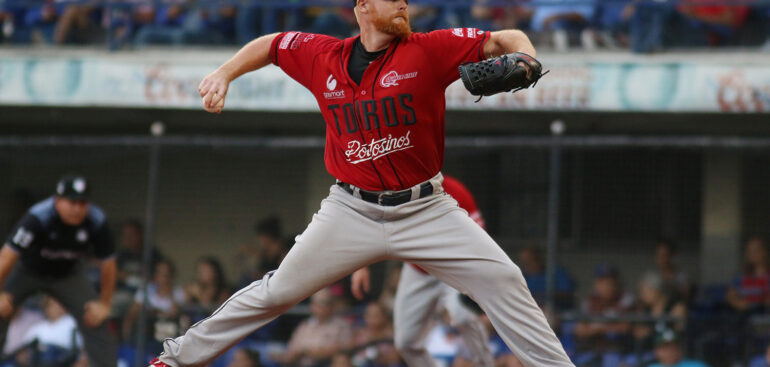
(331, 85)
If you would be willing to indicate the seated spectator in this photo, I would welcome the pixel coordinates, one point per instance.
(129, 259)
(713, 24)
(12, 28)
(647, 25)
(41, 20)
(669, 353)
(427, 17)
(676, 282)
(57, 339)
(208, 291)
(163, 305)
(78, 23)
(613, 21)
(245, 357)
(655, 302)
(483, 16)
(607, 299)
(750, 292)
(317, 339)
(167, 26)
(266, 254)
(338, 21)
(562, 18)
(533, 268)
(215, 24)
(373, 342)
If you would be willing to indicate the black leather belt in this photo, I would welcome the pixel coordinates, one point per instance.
(389, 198)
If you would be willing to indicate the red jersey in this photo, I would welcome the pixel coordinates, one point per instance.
(388, 132)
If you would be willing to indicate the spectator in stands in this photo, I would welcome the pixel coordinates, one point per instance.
(268, 253)
(533, 267)
(607, 299)
(648, 22)
(57, 338)
(78, 23)
(483, 16)
(129, 260)
(427, 17)
(163, 305)
(669, 353)
(248, 22)
(657, 304)
(211, 23)
(338, 21)
(612, 20)
(317, 339)
(750, 292)
(167, 27)
(41, 20)
(373, 342)
(562, 18)
(12, 23)
(676, 281)
(711, 24)
(208, 290)
(245, 357)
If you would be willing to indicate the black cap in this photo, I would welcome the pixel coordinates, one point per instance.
(73, 187)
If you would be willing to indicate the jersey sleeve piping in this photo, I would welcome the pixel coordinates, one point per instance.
(487, 36)
(274, 48)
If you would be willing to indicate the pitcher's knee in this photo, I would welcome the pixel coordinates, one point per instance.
(503, 276)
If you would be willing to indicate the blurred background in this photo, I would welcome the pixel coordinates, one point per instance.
(632, 185)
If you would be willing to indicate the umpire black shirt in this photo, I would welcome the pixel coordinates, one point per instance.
(48, 247)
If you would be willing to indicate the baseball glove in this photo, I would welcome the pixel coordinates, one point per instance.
(501, 74)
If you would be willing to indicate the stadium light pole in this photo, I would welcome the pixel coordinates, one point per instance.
(156, 129)
(552, 237)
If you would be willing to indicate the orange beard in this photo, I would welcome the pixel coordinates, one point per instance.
(401, 30)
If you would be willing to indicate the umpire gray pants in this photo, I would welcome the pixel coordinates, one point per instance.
(417, 299)
(73, 292)
(348, 233)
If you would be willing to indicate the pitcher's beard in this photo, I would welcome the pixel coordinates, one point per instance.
(401, 30)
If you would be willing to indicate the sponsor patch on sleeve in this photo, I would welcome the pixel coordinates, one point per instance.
(287, 38)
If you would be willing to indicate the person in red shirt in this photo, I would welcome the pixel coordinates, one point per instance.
(382, 97)
(418, 293)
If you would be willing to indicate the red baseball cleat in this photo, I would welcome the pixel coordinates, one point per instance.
(157, 363)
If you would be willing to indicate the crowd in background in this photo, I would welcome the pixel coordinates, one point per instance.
(664, 317)
(639, 25)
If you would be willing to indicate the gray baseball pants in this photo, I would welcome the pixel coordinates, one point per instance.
(417, 298)
(348, 233)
